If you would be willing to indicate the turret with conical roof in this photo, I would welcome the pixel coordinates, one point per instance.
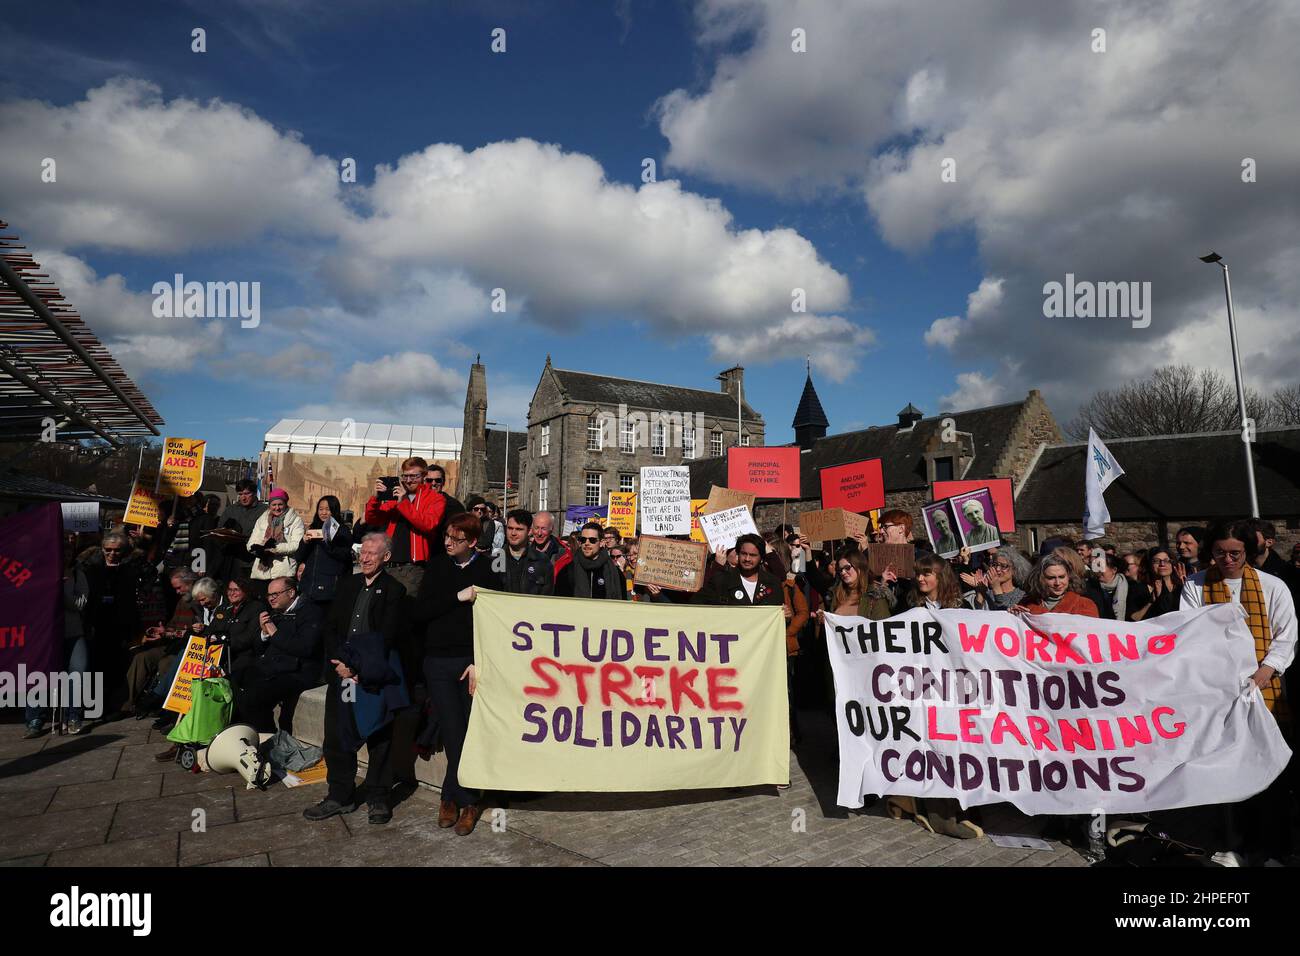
(810, 421)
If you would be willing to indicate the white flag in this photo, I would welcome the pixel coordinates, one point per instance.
(1101, 469)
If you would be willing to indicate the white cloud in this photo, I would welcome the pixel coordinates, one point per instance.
(1115, 166)
(393, 381)
(565, 243)
(833, 344)
(981, 305)
(140, 173)
(124, 322)
(974, 390)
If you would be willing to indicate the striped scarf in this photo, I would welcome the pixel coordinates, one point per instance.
(1215, 591)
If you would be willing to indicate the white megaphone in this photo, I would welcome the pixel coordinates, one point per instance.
(235, 750)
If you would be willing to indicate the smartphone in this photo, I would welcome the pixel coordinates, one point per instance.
(391, 482)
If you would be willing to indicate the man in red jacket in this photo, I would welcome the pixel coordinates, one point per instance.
(409, 516)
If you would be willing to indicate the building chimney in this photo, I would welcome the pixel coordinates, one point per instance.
(733, 382)
(908, 417)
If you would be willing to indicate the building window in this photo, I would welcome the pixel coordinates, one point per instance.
(627, 483)
(593, 433)
(543, 485)
(627, 436)
(546, 440)
(744, 441)
(715, 444)
(593, 495)
(688, 442)
(658, 439)
(943, 470)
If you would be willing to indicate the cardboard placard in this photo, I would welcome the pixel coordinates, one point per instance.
(767, 472)
(665, 499)
(1004, 499)
(669, 563)
(857, 486)
(144, 507)
(831, 524)
(901, 556)
(722, 529)
(622, 513)
(723, 499)
(697, 510)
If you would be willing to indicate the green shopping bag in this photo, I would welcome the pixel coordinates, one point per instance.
(211, 704)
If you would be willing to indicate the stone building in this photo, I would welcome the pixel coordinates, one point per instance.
(999, 441)
(591, 434)
(484, 450)
(1168, 481)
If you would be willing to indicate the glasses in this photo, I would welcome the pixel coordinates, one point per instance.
(844, 567)
(434, 481)
(114, 550)
(617, 556)
(587, 540)
(279, 592)
(1001, 567)
(415, 477)
(457, 539)
(1162, 561)
(478, 508)
(1228, 555)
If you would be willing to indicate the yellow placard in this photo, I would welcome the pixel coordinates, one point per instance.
(622, 513)
(144, 506)
(579, 695)
(195, 663)
(697, 533)
(181, 470)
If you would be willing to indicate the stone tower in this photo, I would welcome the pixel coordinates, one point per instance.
(473, 442)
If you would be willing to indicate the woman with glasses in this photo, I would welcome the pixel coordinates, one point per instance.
(998, 588)
(854, 593)
(238, 624)
(1164, 578)
(275, 539)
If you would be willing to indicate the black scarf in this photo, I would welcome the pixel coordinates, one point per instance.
(588, 572)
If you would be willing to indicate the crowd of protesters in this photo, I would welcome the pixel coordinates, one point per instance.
(383, 605)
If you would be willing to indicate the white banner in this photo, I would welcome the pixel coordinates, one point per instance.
(724, 527)
(665, 500)
(1052, 713)
(79, 516)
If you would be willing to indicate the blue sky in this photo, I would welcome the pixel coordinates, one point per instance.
(375, 295)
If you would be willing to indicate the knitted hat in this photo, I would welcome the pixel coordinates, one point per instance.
(279, 493)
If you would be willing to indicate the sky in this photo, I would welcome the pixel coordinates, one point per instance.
(883, 190)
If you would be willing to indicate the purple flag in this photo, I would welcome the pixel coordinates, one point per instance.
(31, 585)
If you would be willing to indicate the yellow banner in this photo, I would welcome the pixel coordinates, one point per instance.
(181, 470)
(622, 513)
(580, 695)
(145, 505)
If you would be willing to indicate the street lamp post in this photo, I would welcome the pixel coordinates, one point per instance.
(505, 481)
(1246, 436)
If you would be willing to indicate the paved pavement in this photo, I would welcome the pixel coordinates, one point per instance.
(101, 799)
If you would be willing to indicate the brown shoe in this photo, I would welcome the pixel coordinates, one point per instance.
(465, 822)
(166, 755)
(446, 814)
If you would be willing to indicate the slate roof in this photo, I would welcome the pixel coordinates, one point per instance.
(810, 411)
(1180, 477)
(902, 453)
(611, 390)
(16, 484)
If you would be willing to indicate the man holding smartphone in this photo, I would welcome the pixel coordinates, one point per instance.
(409, 515)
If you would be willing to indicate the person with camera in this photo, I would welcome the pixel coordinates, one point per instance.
(290, 660)
(409, 512)
(325, 553)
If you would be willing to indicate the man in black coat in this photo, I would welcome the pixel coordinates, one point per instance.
(372, 600)
(527, 570)
(592, 573)
(748, 583)
(290, 662)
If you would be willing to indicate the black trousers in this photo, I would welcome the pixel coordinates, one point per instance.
(258, 694)
(341, 763)
(451, 701)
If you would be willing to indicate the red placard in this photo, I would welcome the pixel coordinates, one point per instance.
(858, 486)
(1004, 500)
(766, 472)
